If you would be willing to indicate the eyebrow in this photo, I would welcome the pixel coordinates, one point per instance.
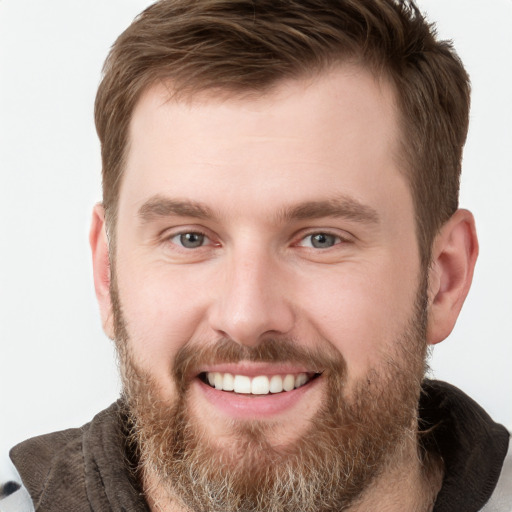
(343, 207)
(159, 206)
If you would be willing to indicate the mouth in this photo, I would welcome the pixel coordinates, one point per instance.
(259, 385)
(249, 390)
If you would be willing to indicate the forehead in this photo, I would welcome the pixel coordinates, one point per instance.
(339, 92)
(300, 136)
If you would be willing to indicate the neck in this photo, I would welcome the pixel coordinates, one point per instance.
(409, 482)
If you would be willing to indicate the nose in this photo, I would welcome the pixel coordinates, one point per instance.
(251, 303)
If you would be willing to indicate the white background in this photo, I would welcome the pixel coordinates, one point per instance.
(57, 369)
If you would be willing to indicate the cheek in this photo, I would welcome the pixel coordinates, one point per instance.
(362, 313)
(161, 315)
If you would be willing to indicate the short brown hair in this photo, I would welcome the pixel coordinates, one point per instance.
(249, 46)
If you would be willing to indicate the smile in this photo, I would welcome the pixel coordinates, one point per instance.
(259, 385)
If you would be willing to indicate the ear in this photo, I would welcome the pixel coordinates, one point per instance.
(454, 254)
(101, 268)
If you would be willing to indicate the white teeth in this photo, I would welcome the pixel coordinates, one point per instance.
(260, 385)
(217, 381)
(242, 384)
(276, 384)
(300, 380)
(288, 382)
(229, 382)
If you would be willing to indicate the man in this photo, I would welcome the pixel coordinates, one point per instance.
(278, 245)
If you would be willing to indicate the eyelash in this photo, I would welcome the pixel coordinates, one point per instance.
(338, 239)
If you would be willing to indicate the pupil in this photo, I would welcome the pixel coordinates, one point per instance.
(322, 240)
(191, 240)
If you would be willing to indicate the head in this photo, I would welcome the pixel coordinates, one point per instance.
(280, 205)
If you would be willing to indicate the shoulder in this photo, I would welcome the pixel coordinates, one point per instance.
(51, 469)
(42, 449)
(473, 447)
(501, 499)
(55, 468)
(38, 459)
(34, 462)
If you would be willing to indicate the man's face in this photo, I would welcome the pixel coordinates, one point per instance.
(267, 244)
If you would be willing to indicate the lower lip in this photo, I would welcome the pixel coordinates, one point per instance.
(239, 405)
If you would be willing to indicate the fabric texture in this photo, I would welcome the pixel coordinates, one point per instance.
(81, 470)
(473, 447)
(90, 469)
(501, 500)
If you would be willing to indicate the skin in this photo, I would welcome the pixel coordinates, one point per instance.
(246, 160)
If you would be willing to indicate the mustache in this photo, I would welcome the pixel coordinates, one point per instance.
(192, 356)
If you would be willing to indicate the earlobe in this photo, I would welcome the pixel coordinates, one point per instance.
(454, 254)
(101, 267)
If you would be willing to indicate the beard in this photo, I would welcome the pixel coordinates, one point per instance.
(357, 432)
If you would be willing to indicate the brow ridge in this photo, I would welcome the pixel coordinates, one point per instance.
(344, 206)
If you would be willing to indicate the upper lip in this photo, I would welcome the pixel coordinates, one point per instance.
(252, 369)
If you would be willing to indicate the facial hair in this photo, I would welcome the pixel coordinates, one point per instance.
(349, 442)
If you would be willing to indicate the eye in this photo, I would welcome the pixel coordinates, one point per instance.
(320, 241)
(191, 240)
